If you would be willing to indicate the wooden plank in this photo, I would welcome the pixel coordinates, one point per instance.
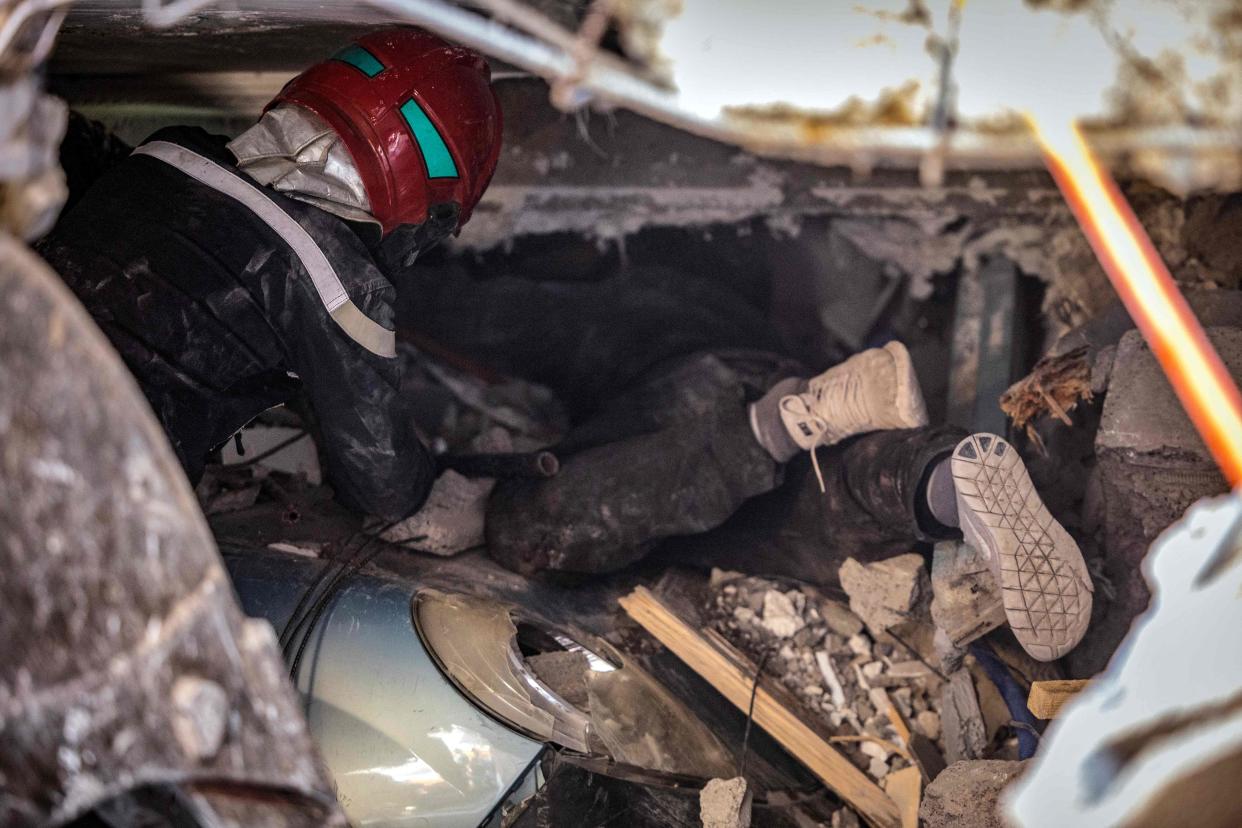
(733, 676)
(906, 788)
(1047, 697)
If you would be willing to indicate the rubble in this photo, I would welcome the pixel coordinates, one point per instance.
(966, 735)
(451, 521)
(928, 723)
(966, 602)
(725, 803)
(822, 652)
(779, 616)
(966, 795)
(886, 593)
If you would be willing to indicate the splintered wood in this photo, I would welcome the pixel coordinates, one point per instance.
(905, 786)
(1054, 387)
(733, 676)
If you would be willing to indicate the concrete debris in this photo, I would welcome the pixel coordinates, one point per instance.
(966, 795)
(725, 803)
(928, 723)
(966, 601)
(451, 520)
(830, 678)
(887, 593)
(779, 616)
(306, 550)
(830, 673)
(1151, 465)
(965, 734)
(839, 618)
(233, 501)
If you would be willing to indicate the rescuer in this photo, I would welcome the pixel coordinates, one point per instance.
(233, 276)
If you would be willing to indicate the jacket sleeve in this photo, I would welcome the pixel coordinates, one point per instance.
(375, 461)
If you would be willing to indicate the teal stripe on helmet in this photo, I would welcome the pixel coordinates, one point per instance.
(435, 152)
(362, 60)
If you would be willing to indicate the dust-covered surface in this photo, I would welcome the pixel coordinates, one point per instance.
(126, 660)
(1151, 466)
(967, 794)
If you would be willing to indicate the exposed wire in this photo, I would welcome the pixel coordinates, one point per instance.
(310, 620)
(750, 711)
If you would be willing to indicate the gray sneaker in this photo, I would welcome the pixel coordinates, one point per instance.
(1043, 579)
(873, 390)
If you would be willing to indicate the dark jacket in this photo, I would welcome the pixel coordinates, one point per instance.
(222, 307)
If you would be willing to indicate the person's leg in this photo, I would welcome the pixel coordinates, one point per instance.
(874, 503)
(675, 455)
(876, 492)
(678, 453)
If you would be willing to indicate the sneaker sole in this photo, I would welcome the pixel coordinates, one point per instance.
(1044, 582)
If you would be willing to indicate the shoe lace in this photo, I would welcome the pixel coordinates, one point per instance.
(843, 391)
(797, 406)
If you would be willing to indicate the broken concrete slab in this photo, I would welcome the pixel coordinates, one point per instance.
(887, 593)
(965, 734)
(451, 520)
(966, 602)
(966, 794)
(1151, 465)
(725, 803)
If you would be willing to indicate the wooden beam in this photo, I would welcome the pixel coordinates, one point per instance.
(732, 674)
(1047, 697)
(905, 786)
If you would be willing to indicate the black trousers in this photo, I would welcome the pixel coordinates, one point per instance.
(657, 372)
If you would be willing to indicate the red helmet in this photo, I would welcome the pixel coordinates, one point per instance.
(418, 115)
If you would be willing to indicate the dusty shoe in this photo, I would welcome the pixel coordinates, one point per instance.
(1043, 578)
(871, 391)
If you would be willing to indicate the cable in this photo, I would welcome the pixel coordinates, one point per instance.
(750, 712)
(357, 561)
(296, 618)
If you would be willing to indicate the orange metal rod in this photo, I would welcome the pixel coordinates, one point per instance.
(1125, 251)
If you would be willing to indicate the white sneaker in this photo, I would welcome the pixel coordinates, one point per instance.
(1044, 581)
(871, 391)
